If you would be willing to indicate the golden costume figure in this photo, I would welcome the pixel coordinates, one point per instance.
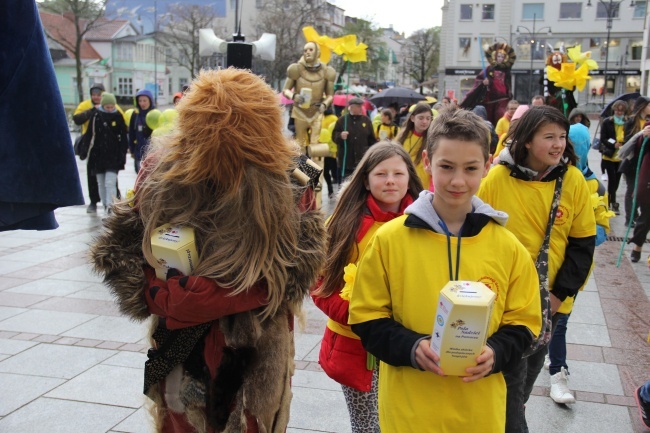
(310, 84)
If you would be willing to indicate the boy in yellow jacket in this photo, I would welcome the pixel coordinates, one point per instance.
(410, 260)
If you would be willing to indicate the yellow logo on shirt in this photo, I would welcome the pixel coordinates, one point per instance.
(561, 215)
(491, 283)
(114, 123)
(363, 124)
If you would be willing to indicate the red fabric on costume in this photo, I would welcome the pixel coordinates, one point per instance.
(378, 215)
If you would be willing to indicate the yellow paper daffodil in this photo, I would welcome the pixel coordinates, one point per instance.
(568, 77)
(580, 58)
(350, 50)
(349, 275)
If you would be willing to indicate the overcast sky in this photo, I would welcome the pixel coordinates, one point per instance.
(404, 15)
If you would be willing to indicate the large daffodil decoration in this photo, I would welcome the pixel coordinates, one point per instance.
(345, 46)
(349, 274)
(350, 50)
(573, 75)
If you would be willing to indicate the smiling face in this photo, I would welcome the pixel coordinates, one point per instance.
(546, 147)
(456, 168)
(388, 183)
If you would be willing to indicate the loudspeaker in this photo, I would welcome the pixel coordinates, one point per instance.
(264, 48)
(209, 43)
(240, 55)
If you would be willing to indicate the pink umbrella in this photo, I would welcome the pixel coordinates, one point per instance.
(342, 100)
(284, 100)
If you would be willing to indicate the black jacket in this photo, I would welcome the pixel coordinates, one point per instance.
(108, 149)
(360, 138)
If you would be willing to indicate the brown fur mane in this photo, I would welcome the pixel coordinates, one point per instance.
(225, 172)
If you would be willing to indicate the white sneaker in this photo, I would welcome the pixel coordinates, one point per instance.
(604, 177)
(559, 390)
(547, 362)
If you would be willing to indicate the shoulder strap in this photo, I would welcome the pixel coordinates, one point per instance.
(557, 193)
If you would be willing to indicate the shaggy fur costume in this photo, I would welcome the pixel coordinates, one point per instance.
(253, 378)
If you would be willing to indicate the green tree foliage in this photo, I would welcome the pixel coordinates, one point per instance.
(83, 16)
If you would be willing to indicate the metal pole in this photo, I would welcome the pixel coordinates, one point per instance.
(610, 10)
(155, 52)
(530, 79)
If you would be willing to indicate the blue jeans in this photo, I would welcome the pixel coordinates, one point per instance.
(557, 347)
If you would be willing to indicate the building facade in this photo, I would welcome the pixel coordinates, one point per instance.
(534, 29)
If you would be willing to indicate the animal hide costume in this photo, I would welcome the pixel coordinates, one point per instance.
(222, 343)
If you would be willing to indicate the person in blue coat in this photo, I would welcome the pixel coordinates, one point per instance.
(38, 171)
(139, 131)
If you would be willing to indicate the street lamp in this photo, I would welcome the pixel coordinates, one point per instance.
(533, 39)
(611, 9)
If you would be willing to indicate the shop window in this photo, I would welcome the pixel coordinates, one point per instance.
(464, 44)
(639, 9)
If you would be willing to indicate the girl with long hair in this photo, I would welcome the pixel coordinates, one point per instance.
(612, 137)
(524, 186)
(413, 138)
(381, 187)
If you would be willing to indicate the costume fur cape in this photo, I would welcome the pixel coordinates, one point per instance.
(225, 172)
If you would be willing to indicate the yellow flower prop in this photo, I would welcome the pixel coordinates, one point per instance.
(325, 43)
(349, 49)
(581, 58)
(349, 275)
(568, 77)
(130, 195)
(601, 210)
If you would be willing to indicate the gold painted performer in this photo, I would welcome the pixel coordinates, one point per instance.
(310, 84)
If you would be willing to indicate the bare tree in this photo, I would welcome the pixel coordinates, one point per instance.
(423, 52)
(180, 30)
(83, 16)
(285, 18)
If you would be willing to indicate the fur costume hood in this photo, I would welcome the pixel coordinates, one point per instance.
(225, 172)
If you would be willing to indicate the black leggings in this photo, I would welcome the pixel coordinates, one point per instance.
(613, 178)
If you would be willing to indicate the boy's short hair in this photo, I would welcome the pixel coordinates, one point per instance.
(387, 112)
(513, 102)
(459, 125)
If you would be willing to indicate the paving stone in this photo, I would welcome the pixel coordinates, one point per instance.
(592, 335)
(12, 347)
(63, 416)
(127, 359)
(18, 390)
(49, 287)
(589, 376)
(108, 328)
(52, 360)
(123, 389)
(315, 380)
(305, 343)
(7, 312)
(314, 408)
(44, 322)
(139, 422)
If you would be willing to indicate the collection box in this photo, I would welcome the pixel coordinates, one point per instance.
(174, 247)
(461, 325)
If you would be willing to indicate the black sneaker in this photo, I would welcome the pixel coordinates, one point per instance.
(644, 407)
(92, 208)
(635, 256)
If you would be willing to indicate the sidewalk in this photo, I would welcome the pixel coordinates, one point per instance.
(69, 363)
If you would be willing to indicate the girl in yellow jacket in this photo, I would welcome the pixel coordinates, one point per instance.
(414, 136)
(443, 236)
(523, 185)
(380, 188)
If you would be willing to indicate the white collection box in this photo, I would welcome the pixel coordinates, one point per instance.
(461, 325)
(174, 247)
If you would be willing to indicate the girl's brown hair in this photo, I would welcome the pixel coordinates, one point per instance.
(346, 219)
(409, 127)
(528, 125)
(225, 173)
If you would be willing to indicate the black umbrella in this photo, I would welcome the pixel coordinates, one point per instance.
(400, 95)
(607, 111)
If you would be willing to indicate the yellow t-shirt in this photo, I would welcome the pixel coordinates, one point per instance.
(389, 131)
(502, 126)
(400, 277)
(528, 204)
(620, 138)
(412, 145)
